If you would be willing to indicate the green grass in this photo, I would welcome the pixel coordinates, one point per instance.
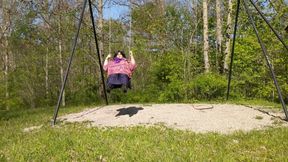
(259, 117)
(76, 142)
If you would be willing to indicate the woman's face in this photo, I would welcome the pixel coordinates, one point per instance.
(119, 55)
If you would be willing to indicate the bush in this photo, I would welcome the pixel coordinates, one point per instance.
(84, 95)
(207, 86)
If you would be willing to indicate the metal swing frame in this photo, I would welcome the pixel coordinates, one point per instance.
(72, 54)
(264, 50)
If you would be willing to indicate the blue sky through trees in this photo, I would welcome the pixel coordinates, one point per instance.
(115, 12)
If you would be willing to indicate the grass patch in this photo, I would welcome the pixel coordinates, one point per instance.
(76, 142)
(277, 121)
(261, 103)
(259, 117)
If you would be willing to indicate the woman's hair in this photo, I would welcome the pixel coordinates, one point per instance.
(116, 53)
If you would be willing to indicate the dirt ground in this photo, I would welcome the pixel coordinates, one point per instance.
(200, 118)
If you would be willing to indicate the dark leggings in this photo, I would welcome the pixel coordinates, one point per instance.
(118, 80)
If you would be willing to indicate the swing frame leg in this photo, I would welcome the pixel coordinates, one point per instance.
(71, 58)
(264, 50)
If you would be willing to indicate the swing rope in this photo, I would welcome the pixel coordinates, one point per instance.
(130, 26)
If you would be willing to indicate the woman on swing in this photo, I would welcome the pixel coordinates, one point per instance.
(119, 70)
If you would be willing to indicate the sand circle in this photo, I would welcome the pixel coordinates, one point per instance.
(200, 118)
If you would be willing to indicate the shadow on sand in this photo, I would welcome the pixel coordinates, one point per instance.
(129, 111)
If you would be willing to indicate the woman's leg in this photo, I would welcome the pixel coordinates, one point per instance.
(112, 81)
(124, 79)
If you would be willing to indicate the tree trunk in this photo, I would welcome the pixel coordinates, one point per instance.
(60, 52)
(100, 41)
(47, 26)
(205, 36)
(228, 40)
(193, 44)
(161, 4)
(195, 8)
(6, 63)
(61, 68)
(47, 72)
(5, 26)
(218, 31)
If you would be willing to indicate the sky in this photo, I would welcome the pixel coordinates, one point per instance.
(114, 12)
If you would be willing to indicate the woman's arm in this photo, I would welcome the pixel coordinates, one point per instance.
(132, 64)
(107, 59)
(106, 62)
(132, 58)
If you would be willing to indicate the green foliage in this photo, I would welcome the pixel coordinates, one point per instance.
(167, 75)
(167, 68)
(2, 97)
(88, 95)
(208, 86)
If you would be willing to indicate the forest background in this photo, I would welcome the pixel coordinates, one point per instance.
(182, 49)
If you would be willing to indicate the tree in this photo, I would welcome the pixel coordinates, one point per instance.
(228, 37)
(60, 47)
(205, 37)
(100, 27)
(100, 39)
(161, 4)
(218, 31)
(6, 28)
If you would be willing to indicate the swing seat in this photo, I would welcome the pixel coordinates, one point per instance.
(115, 81)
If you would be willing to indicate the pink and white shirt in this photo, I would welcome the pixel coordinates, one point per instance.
(123, 67)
